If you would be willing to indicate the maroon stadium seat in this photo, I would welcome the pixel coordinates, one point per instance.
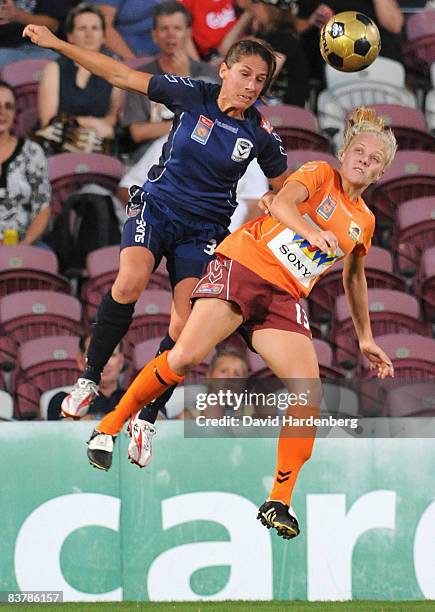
(425, 283)
(408, 125)
(24, 77)
(379, 274)
(102, 267)
(413, 356)
(412, 400)
(151, 317)
(44, 363)
(411, 175)
(391, 312)
(68, 172)
(414, 232)
(295, 158)
(33, 314)
(26, 268)
(296, 126)
(420, 24)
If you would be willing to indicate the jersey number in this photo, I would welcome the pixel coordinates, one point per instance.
(300, 312)
(210, 247)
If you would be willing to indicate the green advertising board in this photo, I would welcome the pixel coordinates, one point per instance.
(185, 528)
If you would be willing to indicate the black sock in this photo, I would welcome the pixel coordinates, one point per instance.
(112, 323)
(149, 413)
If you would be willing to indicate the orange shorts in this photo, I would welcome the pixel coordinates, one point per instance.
(263, 305)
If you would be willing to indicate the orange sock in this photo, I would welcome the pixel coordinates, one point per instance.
(293, 451)
(154, 378)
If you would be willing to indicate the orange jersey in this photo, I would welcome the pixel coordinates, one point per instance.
(278, 254)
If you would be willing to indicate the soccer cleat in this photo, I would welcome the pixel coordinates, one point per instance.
(279, 516)
(100, 450)
(140, 449)
(76, 404)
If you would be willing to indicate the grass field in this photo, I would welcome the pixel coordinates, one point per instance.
(240, 606)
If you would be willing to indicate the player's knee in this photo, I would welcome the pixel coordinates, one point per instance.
(127, 289)
(183, 359)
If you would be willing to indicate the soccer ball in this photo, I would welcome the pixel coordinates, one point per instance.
(350, 41)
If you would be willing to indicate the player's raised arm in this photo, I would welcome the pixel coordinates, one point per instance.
(116, 73)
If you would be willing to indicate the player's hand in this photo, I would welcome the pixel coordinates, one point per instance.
(378, 360)
(326, 241)
(41, 36)
(265, 201)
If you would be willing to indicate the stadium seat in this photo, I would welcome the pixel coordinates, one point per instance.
(296, 126)
(411, 175)
(46, 397)
(151, 317)
(413, 233)
(381, 83)
(24, 77)
(379, 274)
(413, 356)
(68, 172)
(6, 406)
(391, 312)
(44, 363)
(102, 267)
(420, 24)
(295, 158)
(26, 268)
(25, 122)
(408, 125)
(425, 283)
(33, 314)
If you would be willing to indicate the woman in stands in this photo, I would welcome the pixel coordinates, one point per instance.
(69, 89)
(184, 208)
(24, 186)
(255, 283)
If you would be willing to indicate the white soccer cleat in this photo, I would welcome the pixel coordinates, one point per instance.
(140, 449)
(76, 404)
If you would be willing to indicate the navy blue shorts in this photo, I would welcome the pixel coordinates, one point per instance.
(187, 243)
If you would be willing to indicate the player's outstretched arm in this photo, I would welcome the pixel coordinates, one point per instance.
(355, 288)
(116, 73)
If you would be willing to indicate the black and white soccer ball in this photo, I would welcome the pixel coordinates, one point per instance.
(350, 41)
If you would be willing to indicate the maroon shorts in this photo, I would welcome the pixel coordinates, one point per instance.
(263, 304)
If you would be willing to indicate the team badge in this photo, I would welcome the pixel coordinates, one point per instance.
(242, 150)
(326, 209)
(202, 130)
(210, 288)
(354, 231)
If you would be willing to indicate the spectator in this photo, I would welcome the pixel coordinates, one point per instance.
(69, 89)
(147, 120)
(312, 15)
(128, 25)
(110, 391)
(24, 186)
(14, 15)
(211, 21)
(276, 20)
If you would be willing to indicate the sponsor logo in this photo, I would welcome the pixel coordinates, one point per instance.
(242, 150)
(210, 289)
(202, 130)
(302, 260)
(140, 231)
(326, 208)
(354, 231)
(266, 125)
(133, 209)
(226, 126)
(219, 20)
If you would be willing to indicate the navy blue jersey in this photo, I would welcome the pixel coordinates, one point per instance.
(207, 151)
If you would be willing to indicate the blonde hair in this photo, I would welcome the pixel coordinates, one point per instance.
(366, 121)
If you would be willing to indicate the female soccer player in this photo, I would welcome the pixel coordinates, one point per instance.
(184, 208)
(255, 283)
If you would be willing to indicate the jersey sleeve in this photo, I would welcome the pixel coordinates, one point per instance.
(362, 248)
(272, 157)
(312, 175)
(177, 93)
